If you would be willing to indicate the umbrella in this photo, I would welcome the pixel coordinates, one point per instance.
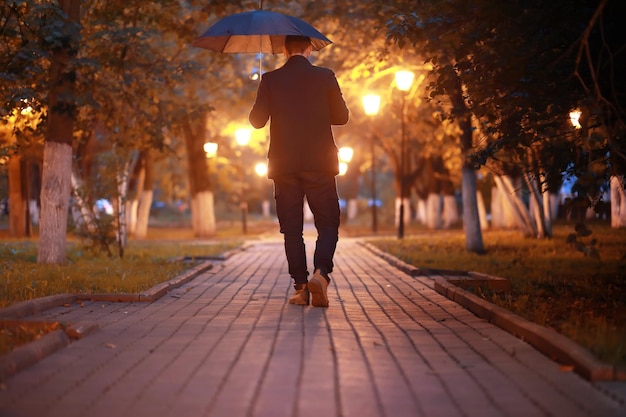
(257, 31)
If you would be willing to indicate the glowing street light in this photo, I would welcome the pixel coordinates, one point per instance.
(210, 149)
(261, 169)
(574, 118)
(404, 80)
(371, 105)
(242, 136)
(345, 156)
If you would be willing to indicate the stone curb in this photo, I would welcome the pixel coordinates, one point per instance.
(29, 354)
(38, 305)
(547, 341)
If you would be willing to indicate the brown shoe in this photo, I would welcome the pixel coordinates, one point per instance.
(318, 285)
(301, 297)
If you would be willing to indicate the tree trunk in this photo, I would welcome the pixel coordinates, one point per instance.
(618, 202)
(450, 211)
(202, 209)
(55, 192)
(514, 205)
(433, 211)
(471, 220)
(497, 208)
(18, 213)
(132, 205)
(57, 155)
(123, 179)
(537, 205)
(407, 212)
(420, 211)
(83, 214)
(482, 211)
(145, 193)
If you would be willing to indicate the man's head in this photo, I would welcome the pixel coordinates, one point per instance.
(295, 44)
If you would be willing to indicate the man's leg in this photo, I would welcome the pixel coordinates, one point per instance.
(321, 193)
(289, 197)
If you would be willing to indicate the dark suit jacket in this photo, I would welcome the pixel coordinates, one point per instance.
(302, 101)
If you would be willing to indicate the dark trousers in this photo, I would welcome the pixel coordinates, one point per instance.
(320, 190)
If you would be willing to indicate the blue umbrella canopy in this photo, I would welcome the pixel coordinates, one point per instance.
(257, 31)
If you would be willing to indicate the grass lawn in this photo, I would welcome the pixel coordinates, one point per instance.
(553, 284)
(146, 263)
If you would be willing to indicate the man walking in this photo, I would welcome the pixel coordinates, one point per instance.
(302, 102)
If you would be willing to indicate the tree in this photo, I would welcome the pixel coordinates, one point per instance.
(512, 66)
(57, 158)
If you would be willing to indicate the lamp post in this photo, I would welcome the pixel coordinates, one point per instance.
(404, 80)
(371, 105)
(242, 137)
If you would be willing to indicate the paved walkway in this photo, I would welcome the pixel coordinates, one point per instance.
(227, 344)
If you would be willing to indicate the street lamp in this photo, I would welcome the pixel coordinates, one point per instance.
(242, 137)
(574, 118)
(210, 149)
(404, 80)
(345, 156)
(371, 105)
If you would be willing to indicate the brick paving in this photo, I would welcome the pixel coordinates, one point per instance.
(227, 344)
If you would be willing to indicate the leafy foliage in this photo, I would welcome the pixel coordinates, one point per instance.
(579, 241)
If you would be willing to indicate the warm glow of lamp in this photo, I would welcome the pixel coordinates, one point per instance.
(404, 80)
(371, 104)
(345, 154)
(261, 169)
(210, 148)
(343, 168)
(574, 117)
(242, 136)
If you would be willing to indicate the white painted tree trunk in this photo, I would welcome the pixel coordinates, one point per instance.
(203, 214)
(143, 213)
(514, 206)
(433, 211)
(407, 212)
(55, 196)
(482, 211)
(352, 209)
(131, 215)
(450, 211)
(82, 214)
(471, 220)
(497, 208)
(420, 212)
(133, 205)
(618, 202)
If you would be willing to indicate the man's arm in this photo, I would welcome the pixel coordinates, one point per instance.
(260, 113)
(339, 113)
